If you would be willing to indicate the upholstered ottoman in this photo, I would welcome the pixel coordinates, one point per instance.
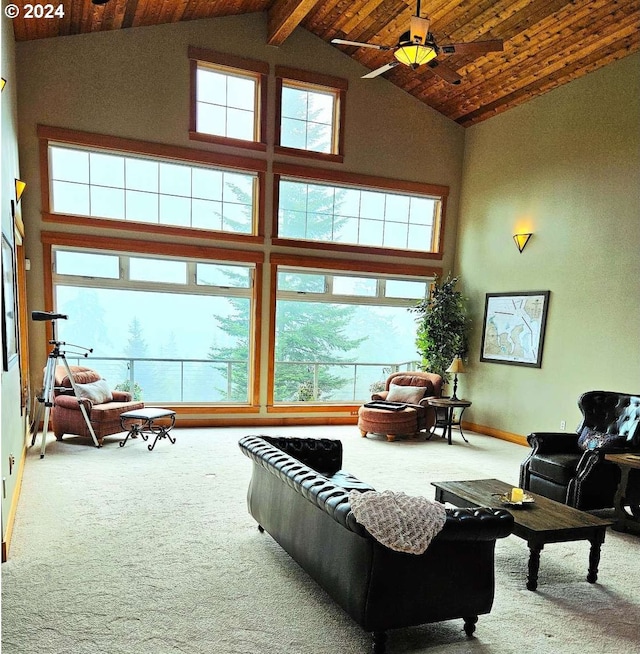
(390, 423)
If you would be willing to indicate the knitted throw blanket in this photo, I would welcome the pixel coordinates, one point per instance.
(398, 521)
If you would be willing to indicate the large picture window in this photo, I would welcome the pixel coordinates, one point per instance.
(169, 330)
(339, 335)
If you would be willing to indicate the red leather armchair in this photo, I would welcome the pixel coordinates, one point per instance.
(66, 416)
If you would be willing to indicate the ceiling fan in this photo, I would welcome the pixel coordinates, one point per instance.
(417, 46)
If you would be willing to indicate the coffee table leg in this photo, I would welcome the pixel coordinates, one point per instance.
(594, 556)
(534, 565)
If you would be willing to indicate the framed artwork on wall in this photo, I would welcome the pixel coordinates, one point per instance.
(513, 328)
(9, 321)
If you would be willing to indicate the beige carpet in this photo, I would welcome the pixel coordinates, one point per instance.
(126, 551)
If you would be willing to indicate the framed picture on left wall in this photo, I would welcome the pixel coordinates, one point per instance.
(9, 319)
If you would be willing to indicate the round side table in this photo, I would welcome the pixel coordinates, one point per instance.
(448, 405)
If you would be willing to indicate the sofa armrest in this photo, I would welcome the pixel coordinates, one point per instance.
(380, 395)
(476, 524)
(72, 402)
(553, 442)
(323, 455)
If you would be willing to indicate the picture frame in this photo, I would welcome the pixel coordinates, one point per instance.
(513, 328)
(9, 315)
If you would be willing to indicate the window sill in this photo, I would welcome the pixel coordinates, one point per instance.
(308, 154)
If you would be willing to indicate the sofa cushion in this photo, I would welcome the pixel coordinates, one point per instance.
(97, 391)
(409, 394)
(110, 411)
(81, 375)
(559, 468)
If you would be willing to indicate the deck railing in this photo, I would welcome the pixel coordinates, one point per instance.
(167, 380)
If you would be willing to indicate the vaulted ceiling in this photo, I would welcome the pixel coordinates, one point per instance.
(547, 43)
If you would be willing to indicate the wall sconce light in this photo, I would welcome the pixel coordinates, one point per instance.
(20, 187)
(521, 240)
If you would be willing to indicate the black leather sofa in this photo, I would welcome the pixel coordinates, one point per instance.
(298, 493)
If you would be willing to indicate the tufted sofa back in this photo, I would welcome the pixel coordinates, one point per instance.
(612, 413)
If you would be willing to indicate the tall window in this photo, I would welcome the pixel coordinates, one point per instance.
(228, 98)
(310, 114)
(120, 186)
(339, 335)
(166, 329)
(350, 215)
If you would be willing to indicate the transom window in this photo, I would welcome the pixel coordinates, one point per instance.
(310, 114)
(120, 186)
(226, 103)
(307, 119)
(316, 211)
(228, 99)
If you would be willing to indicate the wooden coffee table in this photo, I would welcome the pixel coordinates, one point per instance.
(542, 522)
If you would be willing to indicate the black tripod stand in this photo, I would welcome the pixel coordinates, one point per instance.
(46, 399)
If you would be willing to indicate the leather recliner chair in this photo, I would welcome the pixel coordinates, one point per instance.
(571, 467)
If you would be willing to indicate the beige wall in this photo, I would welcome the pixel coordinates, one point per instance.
(566, 167)
(13, 422)
(135, 83)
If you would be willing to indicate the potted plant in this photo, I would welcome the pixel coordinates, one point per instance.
(442, 327)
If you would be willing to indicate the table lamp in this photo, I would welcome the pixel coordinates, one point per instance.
(455, 367)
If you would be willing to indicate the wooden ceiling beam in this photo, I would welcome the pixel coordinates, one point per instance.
(284, 16)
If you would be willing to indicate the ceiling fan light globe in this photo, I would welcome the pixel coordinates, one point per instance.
(414, 55)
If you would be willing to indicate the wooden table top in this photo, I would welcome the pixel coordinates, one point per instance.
(631, 460)
(447, 402)
(543, 515)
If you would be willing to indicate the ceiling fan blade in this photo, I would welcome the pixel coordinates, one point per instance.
(382, 69)
(475, 47)
(447, 74)
(361, 45)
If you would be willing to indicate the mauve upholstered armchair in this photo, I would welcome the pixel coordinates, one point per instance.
(412, 388)
(104, 416)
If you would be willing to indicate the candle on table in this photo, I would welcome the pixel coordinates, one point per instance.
(517, 494)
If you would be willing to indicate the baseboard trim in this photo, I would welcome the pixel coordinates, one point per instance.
(6, 537)
(496, 433)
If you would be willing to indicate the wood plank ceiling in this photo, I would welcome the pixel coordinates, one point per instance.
(547, 43)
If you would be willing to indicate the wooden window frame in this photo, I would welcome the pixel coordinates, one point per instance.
(393, 269)
(259, 70)
(52, 135)
(109, 244)
(309, 80)
(363, 181)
